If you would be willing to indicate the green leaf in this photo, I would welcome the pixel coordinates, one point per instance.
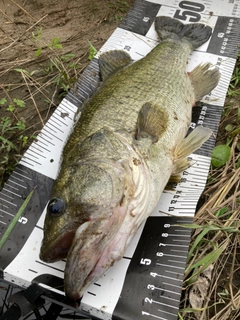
(210, 258)
(21, 125)
(38, 35)
(8, 143)
(238, 163)
(5, 123)
(92, 51)
(11, 108)
(67, 56)
(23, 71)
(238, 114)
(38, 52)
(55, 44)
(15, 220)
(3, 101)
(220, 155)
(19, 103)
(24, 140)
(235, 132)
(229, 127)
(221, 212)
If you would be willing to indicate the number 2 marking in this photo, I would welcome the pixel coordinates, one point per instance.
(148, 300)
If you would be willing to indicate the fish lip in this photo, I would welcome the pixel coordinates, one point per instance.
(73, 292)
(57, 250)
(73, 296)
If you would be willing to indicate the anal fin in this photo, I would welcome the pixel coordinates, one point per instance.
(190, 144)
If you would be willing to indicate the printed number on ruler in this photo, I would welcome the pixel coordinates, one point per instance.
(189, 11)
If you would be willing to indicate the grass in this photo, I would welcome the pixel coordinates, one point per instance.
(11, 125)
(58, 71)
(211, 289)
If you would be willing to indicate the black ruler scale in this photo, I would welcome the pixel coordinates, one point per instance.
(147, 282)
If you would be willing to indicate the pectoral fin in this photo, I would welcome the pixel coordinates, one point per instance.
(112, 61)
(152, 122)
(204, 79)
(190, 144)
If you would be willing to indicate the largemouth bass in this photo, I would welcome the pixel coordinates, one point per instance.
(127, 143)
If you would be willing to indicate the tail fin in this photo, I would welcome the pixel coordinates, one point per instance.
(195, 33)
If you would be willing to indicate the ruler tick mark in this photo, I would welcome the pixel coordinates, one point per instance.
(167, 312)
(172, 285)
(11, 192)
(178, 235)
(182, 262)
(10, 214)
(167, 305)
(165, 290)
(176, 300)
(170, 266)
(177, 245)
(173, 255)
(179, 251)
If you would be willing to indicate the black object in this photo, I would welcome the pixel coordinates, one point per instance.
(24, 302)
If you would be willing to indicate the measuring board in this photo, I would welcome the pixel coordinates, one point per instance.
(147, 282)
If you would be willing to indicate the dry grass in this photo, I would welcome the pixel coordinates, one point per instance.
(212, 289)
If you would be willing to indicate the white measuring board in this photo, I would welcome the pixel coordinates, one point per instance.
(147, 282)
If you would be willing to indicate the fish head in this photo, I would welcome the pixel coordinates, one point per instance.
(82, 193)
(89, 203)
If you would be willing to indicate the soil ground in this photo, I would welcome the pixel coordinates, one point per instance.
(61, 30)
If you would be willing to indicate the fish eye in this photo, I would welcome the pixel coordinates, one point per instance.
(56, 206)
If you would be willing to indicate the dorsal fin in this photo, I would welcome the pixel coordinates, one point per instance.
(204, 79)
(112, 61)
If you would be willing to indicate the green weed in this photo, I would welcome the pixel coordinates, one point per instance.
(12, 136)
(62, 66)
(220, 155)
(234, 88)
(118, 7)
(92, 51)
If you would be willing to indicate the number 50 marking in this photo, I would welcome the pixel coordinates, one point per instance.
(193, 15)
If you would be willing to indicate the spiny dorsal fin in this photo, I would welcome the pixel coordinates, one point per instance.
(112, 61)
(204, 79)
(152, 121)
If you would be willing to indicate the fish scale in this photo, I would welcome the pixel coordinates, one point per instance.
(41, 172)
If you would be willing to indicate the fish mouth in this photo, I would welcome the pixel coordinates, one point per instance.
(54, 251)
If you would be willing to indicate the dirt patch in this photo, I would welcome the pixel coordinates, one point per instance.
(44, 47)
